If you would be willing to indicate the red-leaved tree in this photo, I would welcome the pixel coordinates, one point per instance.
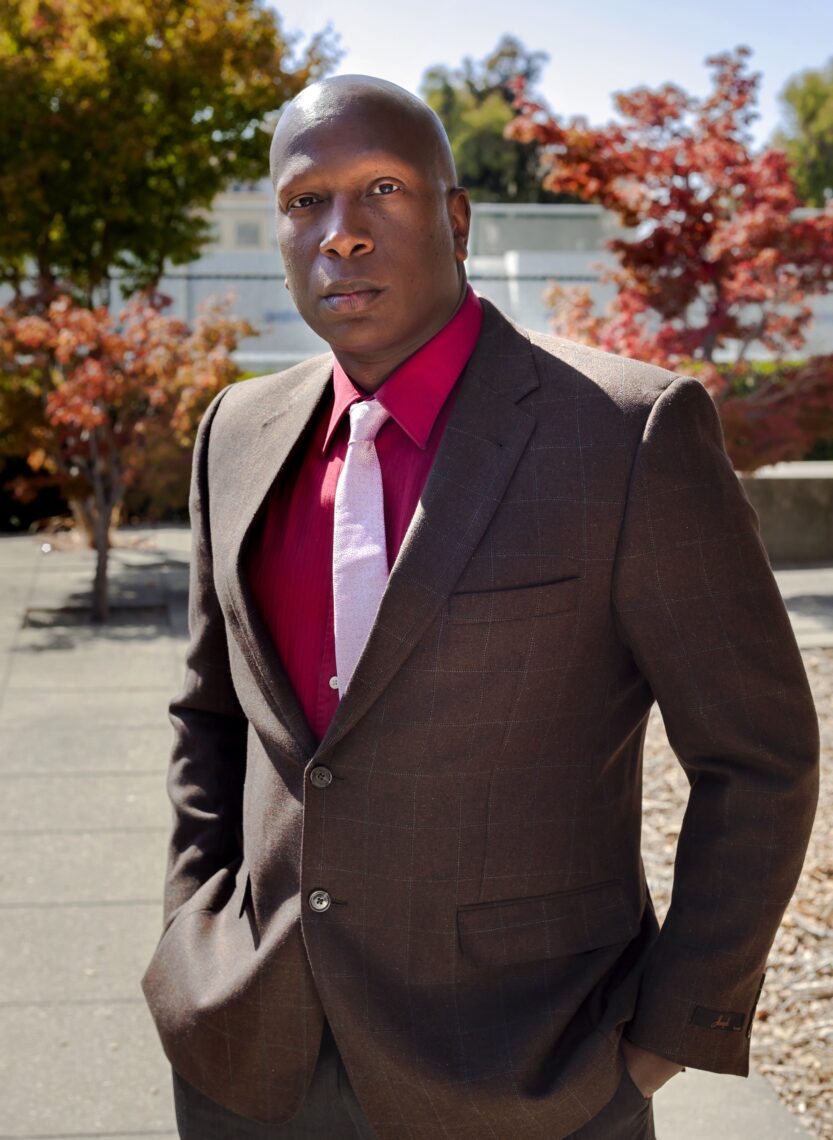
(93, 400)
(716, 268)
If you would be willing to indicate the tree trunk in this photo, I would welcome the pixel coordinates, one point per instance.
(107, 489)
(101, 601)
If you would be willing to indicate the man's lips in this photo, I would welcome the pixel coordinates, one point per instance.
(351, 296)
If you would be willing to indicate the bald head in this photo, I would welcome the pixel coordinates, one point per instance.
(382, 108)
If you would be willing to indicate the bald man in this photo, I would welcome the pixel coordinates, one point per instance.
(439, 576)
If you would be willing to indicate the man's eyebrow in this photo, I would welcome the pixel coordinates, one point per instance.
(286, 187)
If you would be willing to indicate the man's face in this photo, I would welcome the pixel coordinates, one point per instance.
(372, 237)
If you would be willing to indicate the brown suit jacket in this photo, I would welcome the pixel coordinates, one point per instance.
(582, 547)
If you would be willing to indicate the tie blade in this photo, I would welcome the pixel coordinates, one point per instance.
(360, 564)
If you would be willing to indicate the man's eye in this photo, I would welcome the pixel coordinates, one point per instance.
(385, 188)
(302, 201)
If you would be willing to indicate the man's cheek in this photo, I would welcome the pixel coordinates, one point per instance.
(297, 275)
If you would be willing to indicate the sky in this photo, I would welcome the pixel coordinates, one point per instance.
(595, 48)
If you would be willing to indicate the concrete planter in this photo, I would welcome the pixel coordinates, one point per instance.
(794, 502)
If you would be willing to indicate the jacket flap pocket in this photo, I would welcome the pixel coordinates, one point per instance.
(515, 602)
(546, 926)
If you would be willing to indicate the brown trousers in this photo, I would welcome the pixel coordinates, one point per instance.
(332, 1112)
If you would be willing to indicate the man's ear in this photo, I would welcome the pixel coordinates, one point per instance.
(459, 211)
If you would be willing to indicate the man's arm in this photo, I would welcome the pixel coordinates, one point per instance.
(696, 602)
(208, 762)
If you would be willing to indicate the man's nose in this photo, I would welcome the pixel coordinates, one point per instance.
(347, 234)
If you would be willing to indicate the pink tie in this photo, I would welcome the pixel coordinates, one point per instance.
(360, 560)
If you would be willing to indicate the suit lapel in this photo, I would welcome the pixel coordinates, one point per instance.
(286, 410)
(483, 441)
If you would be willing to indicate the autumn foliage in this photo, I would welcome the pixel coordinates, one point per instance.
(715, 268)
(102, 404)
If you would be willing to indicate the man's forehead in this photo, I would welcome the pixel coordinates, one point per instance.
(362, 115)
(344, 158)
(356, 141)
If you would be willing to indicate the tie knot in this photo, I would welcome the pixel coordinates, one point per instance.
(366, 417)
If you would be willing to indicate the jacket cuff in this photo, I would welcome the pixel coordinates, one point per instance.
(712, 1033)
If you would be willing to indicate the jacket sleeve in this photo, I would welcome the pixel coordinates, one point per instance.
(697, 604)
(208, 761)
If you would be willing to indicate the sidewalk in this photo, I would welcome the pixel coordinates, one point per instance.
(84, 742)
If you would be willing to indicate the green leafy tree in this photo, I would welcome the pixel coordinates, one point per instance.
(474, 102)
(808, 138)
(122, 119)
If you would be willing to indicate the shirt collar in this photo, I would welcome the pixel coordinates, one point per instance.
(416, 391)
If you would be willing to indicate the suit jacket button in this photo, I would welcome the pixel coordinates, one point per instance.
(319, 900)
(320, 776)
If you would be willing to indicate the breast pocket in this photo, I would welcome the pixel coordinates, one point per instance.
(546, 926)
(514, 603)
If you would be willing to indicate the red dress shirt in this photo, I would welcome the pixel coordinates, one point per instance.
(290, 564)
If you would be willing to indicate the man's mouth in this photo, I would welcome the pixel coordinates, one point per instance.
(352, 296)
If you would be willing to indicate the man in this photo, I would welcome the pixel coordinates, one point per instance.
(438, 579)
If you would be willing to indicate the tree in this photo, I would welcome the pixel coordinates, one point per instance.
(716, 266)
(93, 401)
(122, 121)
(808, 139)
(475, 104)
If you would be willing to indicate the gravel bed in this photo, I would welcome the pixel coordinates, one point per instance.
(792, 1040)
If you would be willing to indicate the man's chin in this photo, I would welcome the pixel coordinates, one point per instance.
(359, 335)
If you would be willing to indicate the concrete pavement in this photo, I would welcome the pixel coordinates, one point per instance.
(84, 817)
(84, 741)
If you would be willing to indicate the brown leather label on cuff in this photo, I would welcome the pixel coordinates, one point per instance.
(727, 1020)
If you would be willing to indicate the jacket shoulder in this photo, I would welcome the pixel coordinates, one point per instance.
(632, 385)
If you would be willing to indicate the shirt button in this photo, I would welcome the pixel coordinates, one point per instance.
(333, 682)
(320, 776)
(319, 900)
